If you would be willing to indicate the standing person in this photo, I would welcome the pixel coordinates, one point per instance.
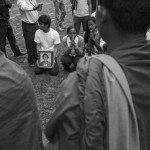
(82, 117)
(20, 127)
(82, 10)
(73, 44)
(59, 18)
(6, 30)
(29, 17)
(47, 39)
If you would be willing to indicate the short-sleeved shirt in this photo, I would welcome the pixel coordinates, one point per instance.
(47, 40)
(82, 8)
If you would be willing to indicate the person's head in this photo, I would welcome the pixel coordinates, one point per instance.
(91, 24)
(45, 57)
(71, 31)
(44, 22)
(125, 16)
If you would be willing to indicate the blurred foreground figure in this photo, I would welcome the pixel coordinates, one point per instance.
(19, 119)
(105, 104)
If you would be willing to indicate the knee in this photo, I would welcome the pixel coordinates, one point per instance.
(76, 60)
(54, 71)
(38, 70)
(66, 60)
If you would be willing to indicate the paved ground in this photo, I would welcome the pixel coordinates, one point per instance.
(46, 86)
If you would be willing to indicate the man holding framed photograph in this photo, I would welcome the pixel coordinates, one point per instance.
(47, 41)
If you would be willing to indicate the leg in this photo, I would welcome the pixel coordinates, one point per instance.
(84, 22)
(66, 61)
(3, 35)
(63, 13)
(38, 70)
(76, 60)
(12, 41)
(54, 71)
(28, 33)
(77, 23)
(56, 5)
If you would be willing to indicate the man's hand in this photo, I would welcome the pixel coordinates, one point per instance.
(38, 7)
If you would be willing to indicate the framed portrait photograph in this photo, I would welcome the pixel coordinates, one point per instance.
(45, 59)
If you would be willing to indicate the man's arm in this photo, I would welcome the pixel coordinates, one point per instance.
(38, 46)
(66, 108)
(56, 43)
(55, 50)
(90, 6)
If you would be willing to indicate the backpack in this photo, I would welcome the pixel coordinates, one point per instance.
(122, 127)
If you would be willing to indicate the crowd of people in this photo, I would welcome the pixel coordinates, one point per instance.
(105, 103)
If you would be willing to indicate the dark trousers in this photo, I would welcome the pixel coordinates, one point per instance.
(7, 31)
(29, 33)
(12, 40)
(78, 21)
(52, 71)
(68, 60)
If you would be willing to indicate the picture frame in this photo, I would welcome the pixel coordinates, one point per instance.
(45, 59)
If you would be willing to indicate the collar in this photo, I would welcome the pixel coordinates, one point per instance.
(137, 48)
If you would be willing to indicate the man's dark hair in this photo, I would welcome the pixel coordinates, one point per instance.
(131, 16)
(45, 55)
(45, 19)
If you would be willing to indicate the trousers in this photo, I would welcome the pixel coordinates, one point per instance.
(68, 60)
(29, 33)
(6, 31)
(78, 21)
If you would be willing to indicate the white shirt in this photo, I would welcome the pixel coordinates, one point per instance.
(93, 14)
(82, 8)
(47, 40)
(26, 10)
